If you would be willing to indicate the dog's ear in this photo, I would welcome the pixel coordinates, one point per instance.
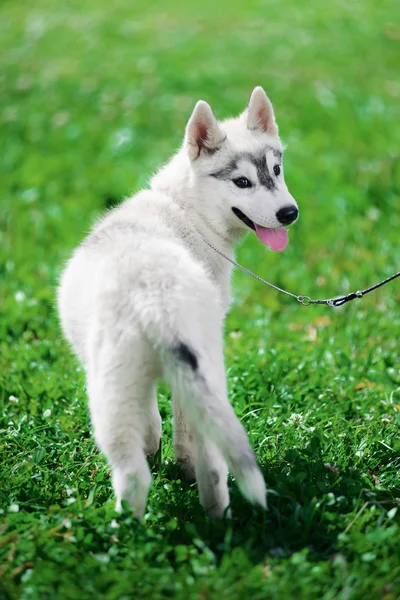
(260, 114)
(202, 131)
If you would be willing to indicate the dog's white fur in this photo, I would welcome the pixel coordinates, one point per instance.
(144, 297)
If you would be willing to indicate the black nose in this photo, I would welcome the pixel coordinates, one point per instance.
(287, 214)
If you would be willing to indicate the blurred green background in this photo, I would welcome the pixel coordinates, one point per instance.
(94, 96)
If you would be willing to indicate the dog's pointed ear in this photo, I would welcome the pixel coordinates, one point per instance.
(202, 131)
(260, 114)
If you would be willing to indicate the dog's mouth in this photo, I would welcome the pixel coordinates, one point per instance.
(275, 238)
(243, 218)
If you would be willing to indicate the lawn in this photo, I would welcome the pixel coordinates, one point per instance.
(94, 96)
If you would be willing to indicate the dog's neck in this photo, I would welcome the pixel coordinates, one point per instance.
(176, 180)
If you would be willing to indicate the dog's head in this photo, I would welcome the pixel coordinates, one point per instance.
(238, 166)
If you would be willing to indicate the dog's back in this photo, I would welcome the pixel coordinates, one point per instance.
(135, 251)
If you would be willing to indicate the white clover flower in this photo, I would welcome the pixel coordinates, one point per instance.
(295, 419)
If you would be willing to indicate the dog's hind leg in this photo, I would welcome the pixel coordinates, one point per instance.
(183, 441)
(121, 379)
(211, 476)
(201, 460)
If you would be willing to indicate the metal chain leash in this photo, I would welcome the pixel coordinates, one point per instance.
(305, 300)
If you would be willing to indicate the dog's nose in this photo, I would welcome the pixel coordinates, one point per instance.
(287, 214)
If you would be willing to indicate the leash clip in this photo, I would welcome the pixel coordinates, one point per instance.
(304, 300)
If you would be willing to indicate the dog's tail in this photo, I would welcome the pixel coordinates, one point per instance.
(201, 388)
(192, 356)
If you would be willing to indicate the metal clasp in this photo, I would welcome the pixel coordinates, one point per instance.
(304, 300)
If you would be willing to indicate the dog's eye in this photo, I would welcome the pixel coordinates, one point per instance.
(277, 170)
(242, 182)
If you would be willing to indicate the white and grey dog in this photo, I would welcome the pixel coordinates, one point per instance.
(144, 297)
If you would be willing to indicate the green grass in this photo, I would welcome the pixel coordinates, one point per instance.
(94, 96)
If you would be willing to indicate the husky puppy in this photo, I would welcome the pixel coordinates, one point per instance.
(144, 297)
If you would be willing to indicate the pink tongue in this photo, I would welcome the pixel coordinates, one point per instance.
(276, 239)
